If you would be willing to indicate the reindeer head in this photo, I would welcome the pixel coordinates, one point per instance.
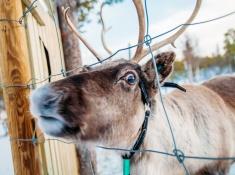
(99, 102)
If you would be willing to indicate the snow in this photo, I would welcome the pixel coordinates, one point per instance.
(6, 166)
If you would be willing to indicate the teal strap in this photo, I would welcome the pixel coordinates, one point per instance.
(126, 166)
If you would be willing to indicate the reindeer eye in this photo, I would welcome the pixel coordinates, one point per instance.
(130, 79)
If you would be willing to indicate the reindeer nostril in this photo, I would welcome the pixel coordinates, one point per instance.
(50, 101)
(48, 104)
(47, 117)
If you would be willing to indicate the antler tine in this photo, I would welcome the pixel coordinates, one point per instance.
(141, 18)
(171, 39)
(74, 30)
(104, 30)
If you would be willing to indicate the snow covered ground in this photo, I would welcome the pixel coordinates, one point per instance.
(6, 166)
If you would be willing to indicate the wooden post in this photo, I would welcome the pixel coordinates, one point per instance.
(14, 68)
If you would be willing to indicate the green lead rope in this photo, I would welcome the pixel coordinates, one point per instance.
(126, 166)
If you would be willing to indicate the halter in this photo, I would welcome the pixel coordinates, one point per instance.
(140, 139)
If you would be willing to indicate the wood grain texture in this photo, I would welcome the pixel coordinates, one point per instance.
(59, 158)
(14, 67)
(38, 12)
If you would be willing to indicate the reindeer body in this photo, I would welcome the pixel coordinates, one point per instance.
(104, 106)
(203, 123)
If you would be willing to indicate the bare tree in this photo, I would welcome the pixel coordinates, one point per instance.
(72, 56)
(191, 60)
(71, 47)
(229, 47)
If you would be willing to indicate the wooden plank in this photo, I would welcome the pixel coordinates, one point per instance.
(39, 60)
(63, 160)
(60, 158)
(37, 12)
(31, 47)
(34, 57)
(48, 149)
(73, 156)
(54, 48)
(54, 157)
(14, 66)
(44, 168)
(71, 162)
(33, 38)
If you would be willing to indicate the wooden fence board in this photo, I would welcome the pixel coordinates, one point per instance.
(59, 158)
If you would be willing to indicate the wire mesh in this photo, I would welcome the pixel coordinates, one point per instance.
(176, 153)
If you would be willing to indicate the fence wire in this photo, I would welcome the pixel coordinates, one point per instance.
(63, 73)
(176, 153)
(41, 140)
(25, 13)
(179, 155)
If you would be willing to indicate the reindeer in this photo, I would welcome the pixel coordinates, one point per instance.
(106, 105)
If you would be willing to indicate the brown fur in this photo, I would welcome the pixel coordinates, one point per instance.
(199, 101)
(220, 168)
(101, 106)
(224, 86)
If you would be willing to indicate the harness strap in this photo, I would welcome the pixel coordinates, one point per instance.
(174, 85)
(143, 130)
(141, 136)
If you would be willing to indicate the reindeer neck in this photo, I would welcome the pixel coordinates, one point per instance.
(158, 129)
(158, 137)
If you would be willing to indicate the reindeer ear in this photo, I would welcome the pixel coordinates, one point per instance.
(164, 63)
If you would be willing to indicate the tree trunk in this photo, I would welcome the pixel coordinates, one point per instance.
(72, 56)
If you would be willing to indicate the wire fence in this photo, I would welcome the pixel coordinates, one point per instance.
(176, 152)
(64, 73)
(25, 13)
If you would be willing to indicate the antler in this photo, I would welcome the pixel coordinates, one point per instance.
(171, 39)
(104, 30)
(141, 18)
(74, 30)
